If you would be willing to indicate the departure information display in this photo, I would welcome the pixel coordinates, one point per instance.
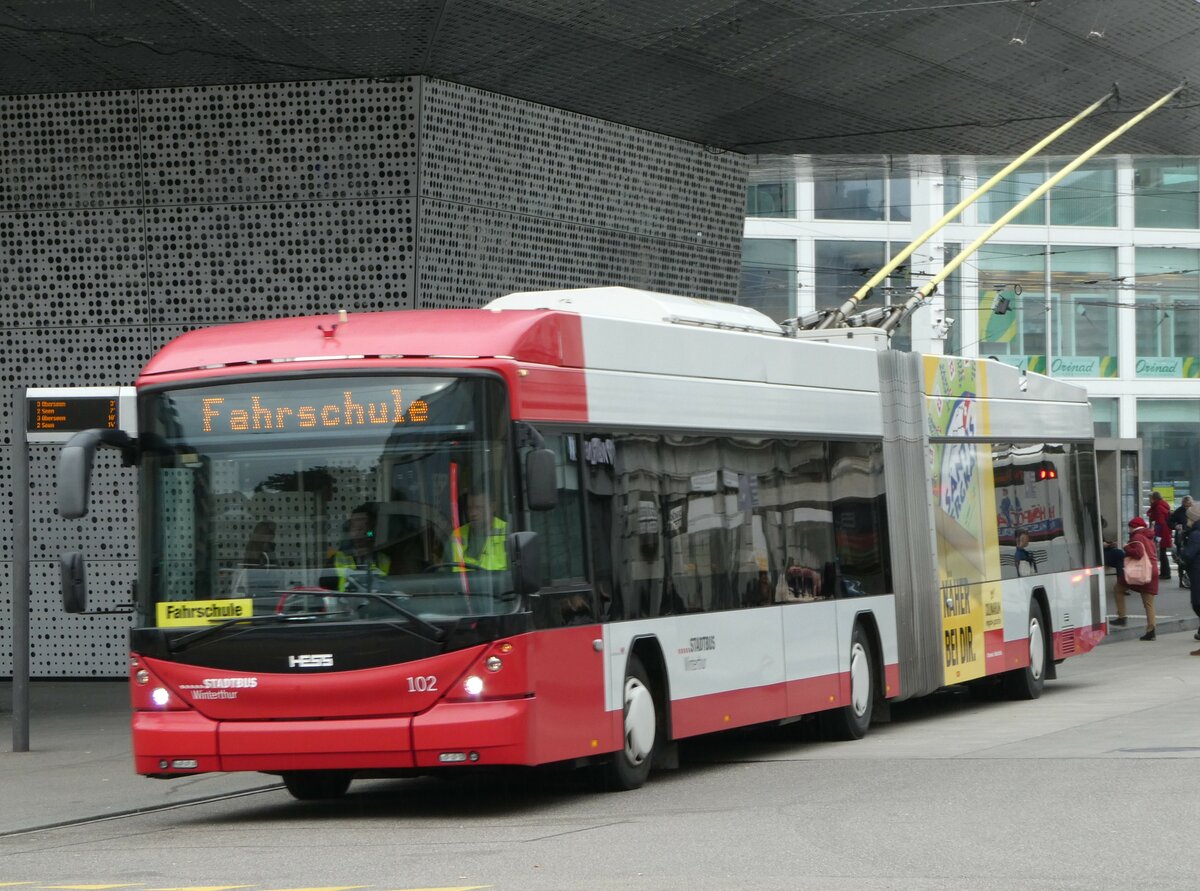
(70, 414)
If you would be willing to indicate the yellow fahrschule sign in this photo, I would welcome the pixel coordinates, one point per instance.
(180, 613)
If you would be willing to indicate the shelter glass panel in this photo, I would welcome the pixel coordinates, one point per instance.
(1105, 415)
(845, 266)
(1167, 313)
(1165, 193)
(1169, 430)
(1012, 305)
(771, 200)
(843, 190)
(1009, 192)
(1086, 197)
(1084, 306)
(768, 281)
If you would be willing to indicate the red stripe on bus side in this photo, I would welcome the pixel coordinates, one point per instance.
(756, 705)
(734, 708)
(995, 652)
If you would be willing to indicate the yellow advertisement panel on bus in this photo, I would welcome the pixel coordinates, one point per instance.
(964, 500)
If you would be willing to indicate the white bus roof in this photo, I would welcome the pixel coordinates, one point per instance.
(632, 304)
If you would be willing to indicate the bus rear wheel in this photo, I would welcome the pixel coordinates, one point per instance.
(1027, 682)
(852, 721)
(317, 785)
(629, 767)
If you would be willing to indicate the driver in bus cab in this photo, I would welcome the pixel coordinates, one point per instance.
(480, 543)
(358, 553)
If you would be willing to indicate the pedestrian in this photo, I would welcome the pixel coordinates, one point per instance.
(1179, 515)
(1179, 526)
(1114, 559)
(1159, 515)
(1139, 548)
(1189, 556)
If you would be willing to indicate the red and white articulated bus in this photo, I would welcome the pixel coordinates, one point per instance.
(578, 526)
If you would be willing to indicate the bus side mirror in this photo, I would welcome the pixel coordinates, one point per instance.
(541, 480)
(75, 467)
(74, 582)
(525, 558)
(75, 477)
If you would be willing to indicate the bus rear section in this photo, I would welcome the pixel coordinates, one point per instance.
(998, 473)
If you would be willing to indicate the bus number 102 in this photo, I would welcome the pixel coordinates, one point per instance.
(423, 683)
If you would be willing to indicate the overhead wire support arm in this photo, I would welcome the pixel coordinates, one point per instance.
(836, 317)
(929, 287)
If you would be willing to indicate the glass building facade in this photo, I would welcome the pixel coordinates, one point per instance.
(1097, 280)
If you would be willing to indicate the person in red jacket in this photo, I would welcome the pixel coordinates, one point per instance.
(1159, 515)
(1141, 542)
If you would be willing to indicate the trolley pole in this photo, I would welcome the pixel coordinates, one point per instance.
(20, 603)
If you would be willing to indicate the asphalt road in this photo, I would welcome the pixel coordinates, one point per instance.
(1091, 786)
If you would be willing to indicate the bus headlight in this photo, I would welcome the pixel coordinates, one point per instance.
(473, 685)
(160, 696)
(493, 663)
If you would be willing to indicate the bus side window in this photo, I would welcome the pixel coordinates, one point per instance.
(599, 456)
(859, 511)
(561, 529)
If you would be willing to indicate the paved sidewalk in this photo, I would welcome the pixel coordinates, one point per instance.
(1172, 608)
(79, 764)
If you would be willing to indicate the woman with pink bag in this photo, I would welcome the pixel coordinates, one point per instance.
(1141, 571)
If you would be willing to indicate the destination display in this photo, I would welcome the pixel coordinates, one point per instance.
(259, 412)
(70, 414)
(303, 407)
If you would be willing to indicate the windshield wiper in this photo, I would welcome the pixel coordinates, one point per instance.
(180, 644)
(433, 633)
(425, 630)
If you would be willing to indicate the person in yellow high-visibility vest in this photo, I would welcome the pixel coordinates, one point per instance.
(358, 554)
(480, 543)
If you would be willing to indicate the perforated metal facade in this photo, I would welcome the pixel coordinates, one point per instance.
(127, 218)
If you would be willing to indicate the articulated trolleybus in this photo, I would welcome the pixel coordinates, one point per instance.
(578, 526)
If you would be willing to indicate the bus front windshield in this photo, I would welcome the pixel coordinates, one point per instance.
(339, 498)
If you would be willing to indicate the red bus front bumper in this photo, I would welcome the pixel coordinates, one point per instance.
(478, 732)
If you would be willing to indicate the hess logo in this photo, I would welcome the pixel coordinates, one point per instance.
(311, 660)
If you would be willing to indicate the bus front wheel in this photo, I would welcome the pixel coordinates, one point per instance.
(851, 721)
(316, 785)
(629, 766)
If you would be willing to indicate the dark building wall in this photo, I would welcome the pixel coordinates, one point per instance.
(129, 217)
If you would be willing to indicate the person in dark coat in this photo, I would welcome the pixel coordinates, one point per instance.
(1114, 559)
(1141, 542)
(1188, 545)
(1180, 526)
(1160, 521)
